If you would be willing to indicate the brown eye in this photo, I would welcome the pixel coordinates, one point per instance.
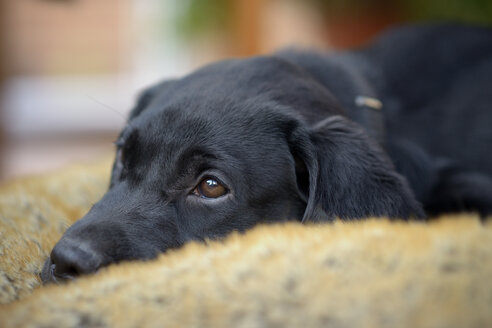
(210, 188)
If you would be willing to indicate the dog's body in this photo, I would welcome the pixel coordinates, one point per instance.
(435, 85)
(390, 130)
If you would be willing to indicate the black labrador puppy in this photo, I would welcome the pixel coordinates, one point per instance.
(394, 129)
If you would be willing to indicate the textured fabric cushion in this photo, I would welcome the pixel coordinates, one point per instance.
(373, 273)
(34, 213)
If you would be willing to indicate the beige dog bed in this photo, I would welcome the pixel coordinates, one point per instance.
(373, 273)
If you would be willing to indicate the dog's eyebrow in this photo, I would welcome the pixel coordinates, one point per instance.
(193, 158)
(191, 163)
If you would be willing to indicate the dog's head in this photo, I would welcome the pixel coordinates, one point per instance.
(221, 150)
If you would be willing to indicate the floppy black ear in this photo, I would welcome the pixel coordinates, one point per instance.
(143, 100)
(147, 96)
(348, 175)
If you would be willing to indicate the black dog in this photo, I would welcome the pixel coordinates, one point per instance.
(389, 130)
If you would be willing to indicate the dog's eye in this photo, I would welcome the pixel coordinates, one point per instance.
(210, 188)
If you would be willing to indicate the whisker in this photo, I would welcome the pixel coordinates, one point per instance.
(106, 106)
(118, 142)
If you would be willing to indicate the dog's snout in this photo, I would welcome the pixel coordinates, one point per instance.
(71, 258)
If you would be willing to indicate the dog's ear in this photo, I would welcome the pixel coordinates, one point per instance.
(343, 173)
(148, 95)
(143, 101)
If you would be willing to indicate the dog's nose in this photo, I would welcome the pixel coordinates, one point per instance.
(71, 258)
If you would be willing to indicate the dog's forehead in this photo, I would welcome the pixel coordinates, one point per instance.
(198, 122)
(226, 130)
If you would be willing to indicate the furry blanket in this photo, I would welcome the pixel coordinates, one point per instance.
(373, 273)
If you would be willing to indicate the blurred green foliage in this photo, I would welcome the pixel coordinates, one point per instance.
(470, 11)
(202, 15)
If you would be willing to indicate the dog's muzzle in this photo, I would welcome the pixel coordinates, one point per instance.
(70, 259)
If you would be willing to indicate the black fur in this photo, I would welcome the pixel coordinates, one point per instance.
(285, 136)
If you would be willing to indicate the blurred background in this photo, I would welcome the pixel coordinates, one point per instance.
(70, 69)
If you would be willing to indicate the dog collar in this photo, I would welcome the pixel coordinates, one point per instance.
(368, 102)
(372, 116)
